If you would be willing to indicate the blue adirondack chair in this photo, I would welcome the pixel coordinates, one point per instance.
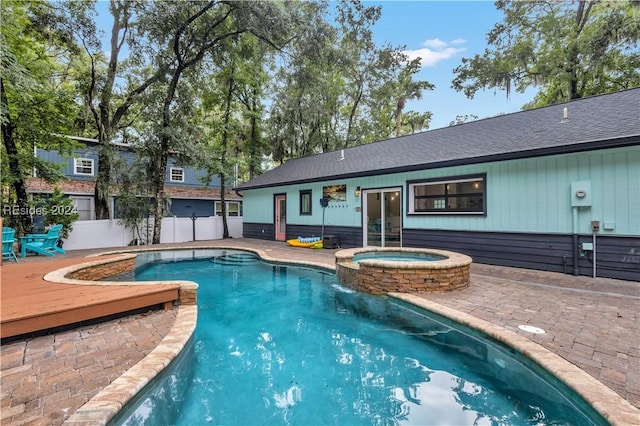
(8, 238)
(45, 244)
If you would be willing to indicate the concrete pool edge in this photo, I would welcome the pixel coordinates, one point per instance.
(613, 407)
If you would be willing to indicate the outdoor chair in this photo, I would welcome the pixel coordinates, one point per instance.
(8, 239)
(45, 244)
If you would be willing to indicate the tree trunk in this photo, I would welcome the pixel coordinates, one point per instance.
(399, 108)
(223, 159)
(23, 221)
(103, 179)
(158, 185)
(254, 152)
(352, 114)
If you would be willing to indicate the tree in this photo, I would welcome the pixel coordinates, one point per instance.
(59, 210)
(415, 121)
(336, 88)
(197, 31)
(461, 119)
(567, 49)
(111, 92)
(37, 98)
(134, 197)
(407, 88)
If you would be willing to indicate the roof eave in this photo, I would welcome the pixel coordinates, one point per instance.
(541, 152)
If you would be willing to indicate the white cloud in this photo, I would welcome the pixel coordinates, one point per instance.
(435, 50)
(435, 43)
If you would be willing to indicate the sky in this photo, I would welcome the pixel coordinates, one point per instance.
(442, 33)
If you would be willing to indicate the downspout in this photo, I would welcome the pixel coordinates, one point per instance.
(576, 269)
(594, 253)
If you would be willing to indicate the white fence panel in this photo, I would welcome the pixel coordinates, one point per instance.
(235, 227)
(91, 234)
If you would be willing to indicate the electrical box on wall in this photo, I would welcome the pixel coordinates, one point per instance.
(581, 193)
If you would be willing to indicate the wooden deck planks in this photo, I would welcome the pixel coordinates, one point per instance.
(30, 304)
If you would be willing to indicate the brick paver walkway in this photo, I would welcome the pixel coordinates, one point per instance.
(45, 379)
(593, 323)
(598, 332)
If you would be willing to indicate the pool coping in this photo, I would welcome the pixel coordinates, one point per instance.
(102, 408)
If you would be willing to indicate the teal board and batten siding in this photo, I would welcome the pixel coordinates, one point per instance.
(534, 195)
(258, 205)
(529, 217)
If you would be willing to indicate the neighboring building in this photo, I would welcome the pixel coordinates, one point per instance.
(182, 184)
(555, 188)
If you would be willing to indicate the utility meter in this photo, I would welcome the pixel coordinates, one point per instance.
(595, 225)
(581, 193)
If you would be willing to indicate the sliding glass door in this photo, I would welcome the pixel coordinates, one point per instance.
(382, 217)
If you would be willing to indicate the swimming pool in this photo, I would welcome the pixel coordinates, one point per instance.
(287, 345)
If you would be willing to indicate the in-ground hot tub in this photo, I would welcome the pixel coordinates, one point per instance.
(380, 270)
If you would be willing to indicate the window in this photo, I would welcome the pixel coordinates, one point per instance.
(234, 208)
(305, 202)
(456, 195)
(83, 166)
(176, 174)
(84, 207)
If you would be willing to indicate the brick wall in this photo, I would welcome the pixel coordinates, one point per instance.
(98, 272)
(376, 277)
(384, 280)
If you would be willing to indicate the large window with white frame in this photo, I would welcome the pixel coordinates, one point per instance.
(83, 166)
(234, 208)
(176, 174)
(451, 195)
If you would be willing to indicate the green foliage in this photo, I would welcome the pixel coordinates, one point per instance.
(134, 196)
(567, 49)
(336, 88)
(194, 85)
(461, 119)
(59, 209)
(37, 95)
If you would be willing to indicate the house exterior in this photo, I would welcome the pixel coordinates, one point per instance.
(555, 188)
(189, 196)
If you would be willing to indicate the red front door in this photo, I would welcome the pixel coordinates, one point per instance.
(281, 217)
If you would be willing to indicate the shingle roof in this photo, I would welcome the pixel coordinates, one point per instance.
(596, 122)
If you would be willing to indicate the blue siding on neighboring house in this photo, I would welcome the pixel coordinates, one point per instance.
(188, 207)
(66, 163)
(192, 176)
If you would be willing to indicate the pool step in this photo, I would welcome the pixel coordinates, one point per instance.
(235, 259)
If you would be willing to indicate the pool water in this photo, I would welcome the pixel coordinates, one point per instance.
(398, 256)
(287, 345)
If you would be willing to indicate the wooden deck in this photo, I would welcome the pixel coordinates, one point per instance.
(30, 304)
